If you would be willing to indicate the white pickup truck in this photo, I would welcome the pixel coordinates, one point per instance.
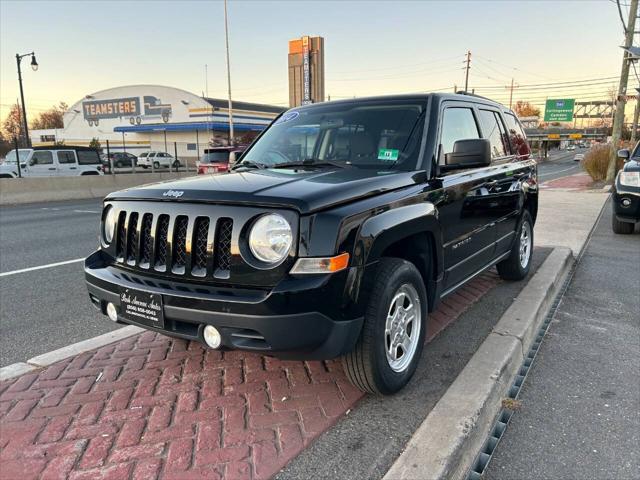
(51, 162)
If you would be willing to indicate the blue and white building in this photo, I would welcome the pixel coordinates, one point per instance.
(153, 117)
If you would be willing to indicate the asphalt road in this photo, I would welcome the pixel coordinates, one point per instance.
(560, 164)
(580, 413)
(48, 308)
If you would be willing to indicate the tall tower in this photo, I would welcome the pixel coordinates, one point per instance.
(306, 71)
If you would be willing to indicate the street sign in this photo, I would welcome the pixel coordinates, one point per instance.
(575, 136)
(553, 136)
(559, 110)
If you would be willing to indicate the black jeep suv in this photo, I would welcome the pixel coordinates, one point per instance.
(335, 234)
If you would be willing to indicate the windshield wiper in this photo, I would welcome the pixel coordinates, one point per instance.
(249, 164)
(309, 162)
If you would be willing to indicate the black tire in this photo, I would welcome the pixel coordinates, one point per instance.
(119, 164)
(144, 166)
(176, 164)
(622, 228)
(512, 267)
(156, 165)
(367, 366)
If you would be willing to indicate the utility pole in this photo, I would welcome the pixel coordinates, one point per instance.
(618, 119)
(466, 75)
(634, 125)
(511, 94)
(226, 36)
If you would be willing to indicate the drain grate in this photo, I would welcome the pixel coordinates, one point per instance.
(486, 452)
(488, 448)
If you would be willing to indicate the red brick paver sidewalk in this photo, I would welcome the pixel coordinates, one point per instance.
(154, 407)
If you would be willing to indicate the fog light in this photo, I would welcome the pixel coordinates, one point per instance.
(112, 312)
(212, 336)
(625, 202)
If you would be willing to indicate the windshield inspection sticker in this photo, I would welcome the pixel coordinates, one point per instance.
(287, 117)
(388, 154)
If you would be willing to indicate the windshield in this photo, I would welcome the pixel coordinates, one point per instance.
(376, 135)
(22, 154)
(217, 157)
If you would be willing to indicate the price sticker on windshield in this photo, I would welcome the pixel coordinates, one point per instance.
(388, 154)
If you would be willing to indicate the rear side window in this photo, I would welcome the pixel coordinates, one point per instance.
(144, 154)
(492, 130)
(66, 157)
(457, 124)
(517, 137)
(88, 157)
(42, 158)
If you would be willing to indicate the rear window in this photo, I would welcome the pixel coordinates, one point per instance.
(88, 157)
(144, 154)
(517, 136)
(215, 157)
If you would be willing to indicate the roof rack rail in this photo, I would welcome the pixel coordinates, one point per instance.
(471, 94)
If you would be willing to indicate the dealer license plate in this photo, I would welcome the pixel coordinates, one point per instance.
(142, 307)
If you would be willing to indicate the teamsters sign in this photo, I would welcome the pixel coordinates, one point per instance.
(119, 107)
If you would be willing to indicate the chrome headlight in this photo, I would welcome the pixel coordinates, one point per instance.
(630, 179)
(270, 239)
(109, 224)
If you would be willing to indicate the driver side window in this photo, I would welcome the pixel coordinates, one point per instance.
(458, 123)
(41, 158)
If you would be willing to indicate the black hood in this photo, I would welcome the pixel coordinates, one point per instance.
(303, 190)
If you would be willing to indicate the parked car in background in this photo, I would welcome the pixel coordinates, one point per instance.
(570, 148)
(626, 193)
(157, 160)
(51, 162)
(119, 160)
(578, 157)
(216, 160)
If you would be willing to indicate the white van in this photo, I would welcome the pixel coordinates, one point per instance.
(52, 162)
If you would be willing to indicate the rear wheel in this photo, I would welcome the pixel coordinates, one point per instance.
(176, 164)
(516, 265)
(119, 164)
(623, 228)
(393, 334)
(156, 165)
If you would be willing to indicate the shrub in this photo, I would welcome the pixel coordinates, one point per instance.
(596, 161)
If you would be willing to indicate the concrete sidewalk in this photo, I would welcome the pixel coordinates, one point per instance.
(580, 412)
(566, 215)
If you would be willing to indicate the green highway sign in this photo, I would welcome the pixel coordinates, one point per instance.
(559, 110)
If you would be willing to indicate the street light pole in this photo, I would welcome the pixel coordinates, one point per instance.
(34, 66)
(226, 36)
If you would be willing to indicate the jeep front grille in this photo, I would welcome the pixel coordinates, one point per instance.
(199, 246)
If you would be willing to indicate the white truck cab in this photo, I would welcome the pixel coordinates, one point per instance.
(51, 162)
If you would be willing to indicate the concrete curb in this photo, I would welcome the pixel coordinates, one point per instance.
(49, 358)
(446, 443)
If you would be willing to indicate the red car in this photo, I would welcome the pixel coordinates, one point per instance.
(216, 160)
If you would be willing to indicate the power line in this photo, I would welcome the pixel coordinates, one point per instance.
(573, 82)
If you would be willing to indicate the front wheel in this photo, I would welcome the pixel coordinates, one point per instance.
(156, 165)
(516, 266)
(393, 334)
(622, 228)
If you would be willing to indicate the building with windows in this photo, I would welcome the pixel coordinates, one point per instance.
(138, 118)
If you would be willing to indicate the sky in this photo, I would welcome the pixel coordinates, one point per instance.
(371, 47)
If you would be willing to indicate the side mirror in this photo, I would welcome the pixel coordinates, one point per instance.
(472, 153)
(624, 153)
(23, 165)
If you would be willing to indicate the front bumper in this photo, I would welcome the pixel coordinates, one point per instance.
(281, 322)
(626, 204)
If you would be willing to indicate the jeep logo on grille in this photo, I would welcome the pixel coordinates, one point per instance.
(173, 193)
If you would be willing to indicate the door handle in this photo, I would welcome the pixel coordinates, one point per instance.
(51, 168)
(73, 168)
